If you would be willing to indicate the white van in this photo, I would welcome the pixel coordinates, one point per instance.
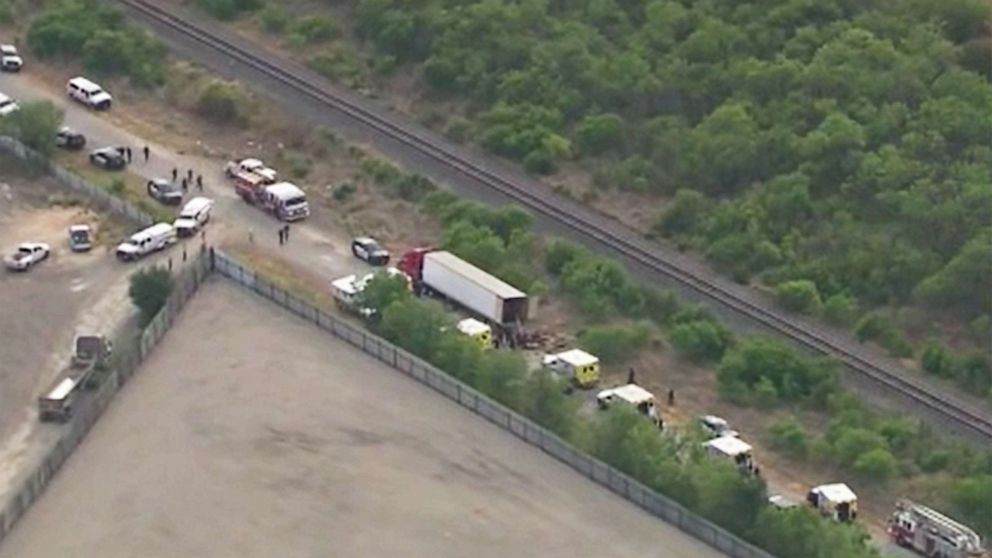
(194, 216)
(88, 93)
(144, 242)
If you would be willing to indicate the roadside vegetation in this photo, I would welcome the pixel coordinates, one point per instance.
(838, 154)
(35, 125)
(96, 33)
(149, 291)
(830, 428)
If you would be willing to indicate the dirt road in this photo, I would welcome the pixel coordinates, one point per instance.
(251, 433)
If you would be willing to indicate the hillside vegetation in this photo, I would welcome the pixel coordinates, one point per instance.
(836, 150)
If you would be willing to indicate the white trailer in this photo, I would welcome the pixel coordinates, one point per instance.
(836, 501)
(473, 288)
(932, 533)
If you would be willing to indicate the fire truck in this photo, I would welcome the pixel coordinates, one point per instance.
(931, 533)
(284, 200)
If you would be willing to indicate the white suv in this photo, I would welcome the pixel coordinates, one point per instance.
(10, 61)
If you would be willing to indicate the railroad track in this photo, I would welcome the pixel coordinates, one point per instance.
(971, 420)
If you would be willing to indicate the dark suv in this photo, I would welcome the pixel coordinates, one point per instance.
(165, 191)
(109, 158)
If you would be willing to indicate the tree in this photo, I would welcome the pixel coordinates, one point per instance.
(543, 399)
(596, 134)
(975, 374)
(615, 344)
(383, 290)
(34, 124)
(700, 340)
(685, 214)
(799, 296)
(877, 464)
(964, 281)
(972, 499)
(150, 289)
(936, 360)
(414, 325)
(792, 377)
(223, 103)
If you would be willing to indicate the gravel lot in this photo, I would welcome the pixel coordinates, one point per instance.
(251, 433)
(43, 309)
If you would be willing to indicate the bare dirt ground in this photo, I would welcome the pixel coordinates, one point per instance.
(251, 433)
(43, 309)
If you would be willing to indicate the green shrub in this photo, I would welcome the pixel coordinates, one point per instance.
(344, 192)
(313, 29)
(223, 103)
(229, 9)
(937, 360)
(788, 436)
(615, 344)
(799, 296)
(878, 465)
(702, 340)
(685, 214)
(975, 374)
(840, 309)
(35, 125)
(760, 361)
(599, 133)
(150, 289)
(274, 18)
(298, 163)
(117, 186)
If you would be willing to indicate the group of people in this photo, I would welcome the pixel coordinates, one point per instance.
(188, 179)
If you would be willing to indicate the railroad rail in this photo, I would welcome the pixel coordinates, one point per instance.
(958, 412)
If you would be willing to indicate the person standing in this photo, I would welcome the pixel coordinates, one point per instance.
(199, 182)
(287, 233)
(147, 153)
(189, 175)
(175, 173)
(671, 397)
(185, 186)
(282, 232)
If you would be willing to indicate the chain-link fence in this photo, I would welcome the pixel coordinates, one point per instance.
(522, 427)
(129, 351)
(100, 196)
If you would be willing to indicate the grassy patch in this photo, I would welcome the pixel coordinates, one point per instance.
(284, 275)
(123, 184)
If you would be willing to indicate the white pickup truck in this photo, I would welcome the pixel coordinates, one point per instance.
(250, 166)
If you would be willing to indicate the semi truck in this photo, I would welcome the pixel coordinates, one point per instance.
(57, 402)
(931, 533)
(445, 274)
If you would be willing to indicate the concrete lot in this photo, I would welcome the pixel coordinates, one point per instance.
(251, 433)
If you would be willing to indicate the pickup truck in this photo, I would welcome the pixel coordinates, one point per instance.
(251, 166)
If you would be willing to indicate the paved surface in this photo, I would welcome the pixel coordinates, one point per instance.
(326, 253)
(275, 439)
(317, 113)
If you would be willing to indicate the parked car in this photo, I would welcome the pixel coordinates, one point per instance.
(7, 105)
(67, 138)
(164, 191)
(716, 427)
(26, 255)
(367, 249)
(10, 61)
(80, 238)
(109, 158)
(88, 93)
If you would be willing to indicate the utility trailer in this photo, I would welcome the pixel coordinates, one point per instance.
(443, 273)
(57, 402)
(931, 533)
